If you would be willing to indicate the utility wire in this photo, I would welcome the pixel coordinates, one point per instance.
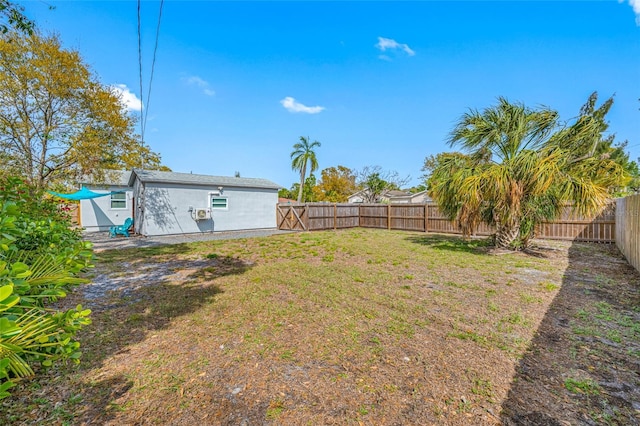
(144, 109)
(153, 64)
(140, 74)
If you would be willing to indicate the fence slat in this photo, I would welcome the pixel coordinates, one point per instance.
(627, 229)
(427, 217)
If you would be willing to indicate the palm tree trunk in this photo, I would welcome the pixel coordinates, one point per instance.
(507, 233)
(302, 173)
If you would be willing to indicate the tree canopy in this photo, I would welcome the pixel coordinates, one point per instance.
(12, 17)
(519, 166)
(374, 181)
(57, 122)
(336, 184)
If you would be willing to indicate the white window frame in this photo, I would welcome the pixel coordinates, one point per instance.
(111, 200)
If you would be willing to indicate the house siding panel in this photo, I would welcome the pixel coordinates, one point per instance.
(97, 215)
(166, 209)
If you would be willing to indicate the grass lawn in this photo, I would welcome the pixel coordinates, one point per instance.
(350, 327)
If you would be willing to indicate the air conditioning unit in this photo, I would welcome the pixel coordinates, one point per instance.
(202, 214)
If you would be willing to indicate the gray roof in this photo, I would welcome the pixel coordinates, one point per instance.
(396, 193)
(110, 178)
(194, 179)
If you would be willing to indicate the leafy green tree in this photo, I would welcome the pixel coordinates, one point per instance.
(374, 187)
(286, 193)
(374, 182)
(12, 16)
(336, 184)
(309, 190)
(634, 184)
(618, 154)
(303, 154)
(418, 188)
(57, 122)
(520, 167)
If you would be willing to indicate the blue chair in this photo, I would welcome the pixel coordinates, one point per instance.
(121, 229)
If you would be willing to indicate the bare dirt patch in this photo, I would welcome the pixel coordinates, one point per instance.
(583, 365)
(350, 327)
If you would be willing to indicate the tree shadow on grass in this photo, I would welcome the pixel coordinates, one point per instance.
(131, 304)
(452, 243)
(583, 364)
(126, 254)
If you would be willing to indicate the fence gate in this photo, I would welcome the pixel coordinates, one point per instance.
(292, 217)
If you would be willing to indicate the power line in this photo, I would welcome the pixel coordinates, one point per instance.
(140, 74)
(153, 63)
(144, 109)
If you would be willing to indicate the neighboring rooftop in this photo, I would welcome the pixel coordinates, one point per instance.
(395, 193)
(196, 179)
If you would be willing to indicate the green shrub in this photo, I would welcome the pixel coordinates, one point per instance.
(40, 259)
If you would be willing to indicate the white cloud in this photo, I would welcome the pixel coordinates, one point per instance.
(292, 106)
(196, 81)
(385, 44)
(127, 98)
(635, 4)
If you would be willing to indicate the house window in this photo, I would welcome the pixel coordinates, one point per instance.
(119, 200)
(218, 203)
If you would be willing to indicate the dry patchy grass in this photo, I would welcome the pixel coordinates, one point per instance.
(349, 327)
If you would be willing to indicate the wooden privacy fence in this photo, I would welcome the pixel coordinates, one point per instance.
(427, 218)
(628, 228)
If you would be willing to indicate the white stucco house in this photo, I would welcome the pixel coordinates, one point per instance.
(165, 203)
(99, 214)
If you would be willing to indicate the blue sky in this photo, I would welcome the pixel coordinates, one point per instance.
(377, 83)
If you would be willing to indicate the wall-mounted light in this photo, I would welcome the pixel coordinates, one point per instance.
(220, 189)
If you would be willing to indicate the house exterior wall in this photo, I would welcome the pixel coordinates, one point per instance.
(166, 209)
(355, 198)
(397, 200)
(420, 198)
(96, 214)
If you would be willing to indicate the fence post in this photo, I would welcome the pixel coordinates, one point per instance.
(335, 216)
(426, 218)
(307, 210)
(389, 216)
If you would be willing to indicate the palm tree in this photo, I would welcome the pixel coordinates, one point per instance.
(303, 153)
(519, 168)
